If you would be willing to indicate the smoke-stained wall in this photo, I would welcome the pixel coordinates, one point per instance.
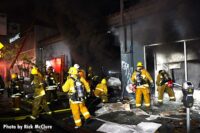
(83, 26)
(42, 33)
(155, 22)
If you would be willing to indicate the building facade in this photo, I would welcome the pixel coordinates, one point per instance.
(155, 32)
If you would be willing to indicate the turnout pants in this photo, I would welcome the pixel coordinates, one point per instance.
(38, 102)
(162, 89)
(142, 91)
(78, 109)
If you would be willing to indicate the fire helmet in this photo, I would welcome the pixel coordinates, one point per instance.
(14, 75)
(76, 66)
(34, 71)
(139, 64)
(103, 81)
(73, 71)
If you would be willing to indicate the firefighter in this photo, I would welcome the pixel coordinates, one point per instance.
(101, 91)
(15, 91)
(81, 72)
(51, 85)
(92, 78)
(164, 83)
(39, 94)
(142, 82)
(76, 86)
(90, 73)
(89, 76)
(14, 84)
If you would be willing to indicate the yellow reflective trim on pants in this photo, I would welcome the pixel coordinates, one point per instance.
(172, 97)
(77, 121)
(160, 100)
(86, 113)
(148, 104)
(138, 105)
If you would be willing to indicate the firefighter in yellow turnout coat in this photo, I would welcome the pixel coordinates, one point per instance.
(101, 91)
(39, 94)
(75, 88)
(142, 80)
(164, 83)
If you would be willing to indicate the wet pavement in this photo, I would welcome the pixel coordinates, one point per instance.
(171, 115)
(12, 120)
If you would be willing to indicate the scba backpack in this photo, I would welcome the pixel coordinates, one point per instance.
(79, 95)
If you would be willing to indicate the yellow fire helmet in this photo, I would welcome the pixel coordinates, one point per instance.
(73, 71)
(139, 64)
(34, 71)
(13, 76)
(103, 81)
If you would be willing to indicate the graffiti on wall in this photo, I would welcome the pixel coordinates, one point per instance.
(128, 70)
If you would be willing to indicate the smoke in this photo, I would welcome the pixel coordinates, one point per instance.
(82, 24)
(170, 21)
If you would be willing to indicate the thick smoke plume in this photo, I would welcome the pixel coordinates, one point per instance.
(174, 20)
(81, 23)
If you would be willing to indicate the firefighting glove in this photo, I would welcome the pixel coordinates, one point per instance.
(151, 87)
(134, 88)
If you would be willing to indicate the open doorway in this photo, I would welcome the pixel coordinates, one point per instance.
(170, 57)
(58, 66)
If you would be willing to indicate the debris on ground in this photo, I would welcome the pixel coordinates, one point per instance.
(143, 127)
(112, 107)
(115, 128)
(152, 117)
(149, 127)
(139, 111)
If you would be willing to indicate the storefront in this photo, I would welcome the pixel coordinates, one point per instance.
(54, 52)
